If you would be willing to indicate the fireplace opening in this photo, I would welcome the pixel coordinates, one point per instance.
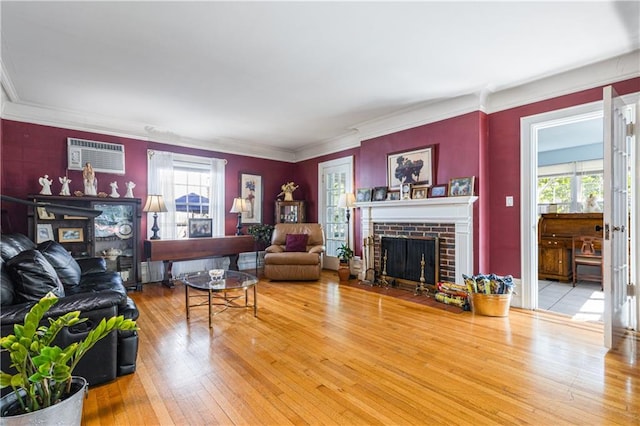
(404, 258)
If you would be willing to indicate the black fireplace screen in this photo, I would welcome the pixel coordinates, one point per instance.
(404, 256)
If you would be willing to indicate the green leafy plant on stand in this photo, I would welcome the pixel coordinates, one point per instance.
(261, 233)
(43, 375)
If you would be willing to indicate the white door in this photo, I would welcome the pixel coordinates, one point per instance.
(616, 219)
(334, 178)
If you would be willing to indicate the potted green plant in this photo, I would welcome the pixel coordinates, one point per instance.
(261, 233)
(345, 254)
(43, 386)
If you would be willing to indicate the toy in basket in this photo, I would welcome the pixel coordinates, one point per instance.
(490, 295)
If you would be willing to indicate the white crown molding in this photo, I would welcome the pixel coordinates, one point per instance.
(609, 71)
(601, 73)
(418, 115)
(7, 84)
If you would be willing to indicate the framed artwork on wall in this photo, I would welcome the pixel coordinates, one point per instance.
(251, 191)
(412, 167)
(461, 186)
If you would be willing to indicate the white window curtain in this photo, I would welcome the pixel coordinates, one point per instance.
(160, 181)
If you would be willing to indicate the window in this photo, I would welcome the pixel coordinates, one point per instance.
(565, 188)
(192, 187)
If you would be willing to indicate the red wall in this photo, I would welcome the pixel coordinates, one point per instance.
(28, 151)
(473, 144)
(504, 176)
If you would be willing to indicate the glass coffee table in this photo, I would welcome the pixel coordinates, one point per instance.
(223, 292)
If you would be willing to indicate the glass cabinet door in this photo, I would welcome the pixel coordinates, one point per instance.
(114, 230)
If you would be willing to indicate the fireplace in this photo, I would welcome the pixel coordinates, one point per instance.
(449, 219)
(410, 260)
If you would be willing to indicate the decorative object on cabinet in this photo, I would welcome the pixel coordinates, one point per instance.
(363, 195)
(415, 167)
(419, 192)
(379, 193)
(347, 201)
(437, 191)
(461, 186)
(70, 235)
(200, 227)
(115, 229)
(46, 185)
(44, 232)
(65, 181)
(114, 190)
(43, 214)
(251, 192)
(155, 204)
(290, 212)
(287, 191)
(555, 241)
(130, 186)
(90, 180)
(239, 206)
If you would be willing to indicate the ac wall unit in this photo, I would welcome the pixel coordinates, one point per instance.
(104, 157)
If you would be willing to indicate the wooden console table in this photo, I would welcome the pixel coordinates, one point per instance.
(169, 251)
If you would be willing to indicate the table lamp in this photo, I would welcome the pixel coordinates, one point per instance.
(155, 204)
(347, 201)
(239, 206)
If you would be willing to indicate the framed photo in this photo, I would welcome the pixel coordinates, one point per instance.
(363, 195)
(438, 191)
(70, 235)
(199, 228)
(413, 167)
(461, 186)
(44, 232)
(419, 192)
(393, 195)
(379, 193)
(251, 190)
(43, 214)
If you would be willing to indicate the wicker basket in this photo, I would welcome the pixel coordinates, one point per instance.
(492, 305)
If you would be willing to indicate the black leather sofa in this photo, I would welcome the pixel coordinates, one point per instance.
(28, 271)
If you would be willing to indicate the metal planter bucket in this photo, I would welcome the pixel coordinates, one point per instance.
(492, 305)
(67, 412)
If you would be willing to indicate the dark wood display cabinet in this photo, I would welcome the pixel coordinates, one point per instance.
(113, 235)
(290, 212)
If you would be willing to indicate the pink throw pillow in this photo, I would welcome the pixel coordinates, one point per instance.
(296, 242)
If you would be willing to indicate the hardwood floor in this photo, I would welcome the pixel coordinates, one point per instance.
(324, 353)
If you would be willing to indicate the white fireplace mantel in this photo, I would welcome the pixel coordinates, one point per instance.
(454, 210)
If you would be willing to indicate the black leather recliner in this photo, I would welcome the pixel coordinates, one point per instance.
(29, 271)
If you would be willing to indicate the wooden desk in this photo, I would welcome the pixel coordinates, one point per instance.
(169, 251)
(555, 241)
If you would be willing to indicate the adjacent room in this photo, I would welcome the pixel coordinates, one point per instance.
(234, 212)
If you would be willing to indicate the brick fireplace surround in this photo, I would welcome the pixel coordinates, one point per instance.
(448, 218)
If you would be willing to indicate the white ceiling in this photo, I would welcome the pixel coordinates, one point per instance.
(292, 74)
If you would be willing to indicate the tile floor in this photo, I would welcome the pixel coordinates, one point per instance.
(584, 302)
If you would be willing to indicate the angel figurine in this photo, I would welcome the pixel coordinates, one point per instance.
(130, 186)
(46, 185)
(287, 191)
(65, 181)
(90, 181)
(114, 190)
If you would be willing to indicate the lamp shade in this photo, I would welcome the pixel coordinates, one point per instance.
(155, 204)
(239, 205)
(347, 200)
